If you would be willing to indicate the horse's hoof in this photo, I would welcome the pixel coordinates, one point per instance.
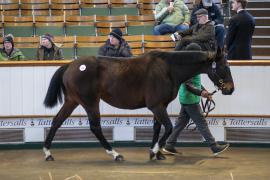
(119, 158)
(160, 156)
(49, 158)
(151, 155)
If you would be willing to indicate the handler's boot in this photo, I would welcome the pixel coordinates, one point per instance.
(217, 149)
(170, 150)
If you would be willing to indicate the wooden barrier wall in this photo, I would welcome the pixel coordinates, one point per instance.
(24, 84)
(241, 117)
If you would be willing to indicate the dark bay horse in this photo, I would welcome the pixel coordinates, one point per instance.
(151, 80)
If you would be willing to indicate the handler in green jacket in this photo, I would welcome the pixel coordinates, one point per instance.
(9, 52)
(189, 97)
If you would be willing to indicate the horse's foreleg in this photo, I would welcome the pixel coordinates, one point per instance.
(161, 115)
(96, 129)
(94, 118)
(58, 120)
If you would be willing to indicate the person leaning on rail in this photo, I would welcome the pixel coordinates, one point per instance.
(202, 33)
(214, 15)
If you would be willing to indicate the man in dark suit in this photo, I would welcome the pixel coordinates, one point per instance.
(240, 31)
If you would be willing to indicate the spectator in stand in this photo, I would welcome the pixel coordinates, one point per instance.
(172, 15)
(214, 15)
(48, 50)
(240, 31)
(202, 33)
(9, 52)
(115, 46)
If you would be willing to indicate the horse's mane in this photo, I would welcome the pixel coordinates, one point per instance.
(173, 57)
(114, 58)
(181, 57)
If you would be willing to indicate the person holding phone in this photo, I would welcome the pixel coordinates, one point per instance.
(172, 16)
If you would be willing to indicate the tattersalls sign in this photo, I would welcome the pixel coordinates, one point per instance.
(248, 122)
(127, 122)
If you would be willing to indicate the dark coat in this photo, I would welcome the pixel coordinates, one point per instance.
(239, 36)
(109, 50)
(55, 53)
(204, 35)
(214, 14)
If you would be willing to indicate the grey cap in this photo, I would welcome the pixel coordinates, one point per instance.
(201, 12)
(207, 3)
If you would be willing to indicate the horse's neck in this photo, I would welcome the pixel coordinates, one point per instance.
(183, 73)
(185, 57)
(185, 65)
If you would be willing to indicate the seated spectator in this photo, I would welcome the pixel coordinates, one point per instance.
(172, 15)
(115, 46)
(9, 52)
(48, 50)
(202, 33)
(214, 14)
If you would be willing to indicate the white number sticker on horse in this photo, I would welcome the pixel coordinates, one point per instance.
(82, 67)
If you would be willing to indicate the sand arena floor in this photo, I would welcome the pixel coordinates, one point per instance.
(94, 164)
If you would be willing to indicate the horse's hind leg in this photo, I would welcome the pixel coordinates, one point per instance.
(156, 128)
(94, 119)
(162, 116)
(58, 120)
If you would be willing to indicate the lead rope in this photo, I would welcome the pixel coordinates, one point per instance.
(207, 106)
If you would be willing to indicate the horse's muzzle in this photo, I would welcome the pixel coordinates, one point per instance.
(227, 89)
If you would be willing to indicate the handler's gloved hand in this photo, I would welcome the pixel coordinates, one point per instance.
(206, 94)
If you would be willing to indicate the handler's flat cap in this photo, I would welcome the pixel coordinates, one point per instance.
(201, 12)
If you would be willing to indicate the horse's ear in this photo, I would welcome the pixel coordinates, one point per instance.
(211, 55)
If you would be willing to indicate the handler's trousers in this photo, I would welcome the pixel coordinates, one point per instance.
(187, 112)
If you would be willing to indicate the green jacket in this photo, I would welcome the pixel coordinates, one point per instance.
(180, 14)
(16, 55)
(190, 91)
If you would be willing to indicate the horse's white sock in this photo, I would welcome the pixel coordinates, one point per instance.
(155, 148)
(47, 152)
(113, 153)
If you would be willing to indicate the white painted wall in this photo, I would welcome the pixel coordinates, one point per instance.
(22, 90)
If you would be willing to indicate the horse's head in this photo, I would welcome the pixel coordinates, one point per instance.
(219, 72)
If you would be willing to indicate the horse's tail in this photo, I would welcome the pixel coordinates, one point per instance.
(56, 88)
